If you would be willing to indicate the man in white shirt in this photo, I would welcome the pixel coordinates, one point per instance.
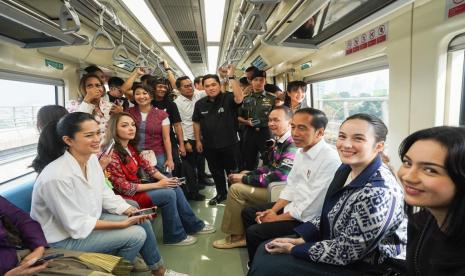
(193, 160)
(302, 198)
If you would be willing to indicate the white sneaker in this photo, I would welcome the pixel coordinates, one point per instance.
(207, 229)
(189, 240)
(169, 272)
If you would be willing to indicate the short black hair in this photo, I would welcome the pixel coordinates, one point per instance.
(139, 85)
(146, 77)
(244, 81)
(319, 119)
(115, 82)
(211, 76)
(272, 88)
(251, 68)
(92, 69)
(287, 111)
(296, 84)
(198, 79)
(180, 79)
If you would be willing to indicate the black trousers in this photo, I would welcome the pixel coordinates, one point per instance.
(256, 233)
(193, 164)
(266, 264)
(254, 143)
(222, 162)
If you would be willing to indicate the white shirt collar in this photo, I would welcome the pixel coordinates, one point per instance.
(283, 138)
(315, 150)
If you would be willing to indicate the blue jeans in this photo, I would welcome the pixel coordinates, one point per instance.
(161, 159)
(177, 215)
(127, 242)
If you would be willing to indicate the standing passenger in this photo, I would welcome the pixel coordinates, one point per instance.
(254, 115)
(215, 130)
(295, 95)
(115, 94)
(92, 88)
(69, 197)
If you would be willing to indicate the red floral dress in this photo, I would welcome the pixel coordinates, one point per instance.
(124, 177)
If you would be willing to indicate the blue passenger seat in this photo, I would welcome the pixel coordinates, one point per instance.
(20, 194)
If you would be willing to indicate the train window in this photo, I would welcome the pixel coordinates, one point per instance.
(18, 112)
(341, 97)
(455, 105)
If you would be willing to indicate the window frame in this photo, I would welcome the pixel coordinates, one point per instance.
(59, 96)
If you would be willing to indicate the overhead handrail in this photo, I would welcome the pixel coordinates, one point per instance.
(141, 61)
(101, 32)
(248, 42)
(121, 53)
(67, 12)
(257, 14)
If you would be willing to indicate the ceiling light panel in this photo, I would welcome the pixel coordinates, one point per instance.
(141, 11)
(212, 58)
(173, 53)
(214, 12)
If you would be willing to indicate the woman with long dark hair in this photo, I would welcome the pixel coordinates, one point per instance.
(433, 176)
(70, 195)
(178, 218)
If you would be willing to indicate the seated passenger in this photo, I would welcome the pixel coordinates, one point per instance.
(22, 243)
(302, 198)
(295, 95)
(362, 223)
(49, 113)
(91, 87)
(433, 177)
(153, 125)
(115, 94)
(178, 217)
(250, 188)
(69, 197)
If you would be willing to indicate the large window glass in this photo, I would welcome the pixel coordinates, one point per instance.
(455, 103)
(18, 131)
(342, 97)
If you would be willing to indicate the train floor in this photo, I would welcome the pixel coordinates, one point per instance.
(202, 259)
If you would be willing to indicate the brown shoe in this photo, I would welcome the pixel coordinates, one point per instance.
(226, 243)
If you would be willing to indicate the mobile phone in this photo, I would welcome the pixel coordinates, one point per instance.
(255, 122)
(47, 258)
(108, 148)
(181, 180)
(147, 211)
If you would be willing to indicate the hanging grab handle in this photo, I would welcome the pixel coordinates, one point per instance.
(121, 53)
(67, 12)
(248, 42)
(101, 32)
(141, 61)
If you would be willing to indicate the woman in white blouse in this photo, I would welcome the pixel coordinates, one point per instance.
(92, 89)
(74, 206)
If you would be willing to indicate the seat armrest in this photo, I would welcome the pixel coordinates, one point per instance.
(274, 189)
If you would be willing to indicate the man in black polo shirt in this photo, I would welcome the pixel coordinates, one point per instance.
(215, 129)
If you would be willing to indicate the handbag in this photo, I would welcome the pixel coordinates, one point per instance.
(143, 176)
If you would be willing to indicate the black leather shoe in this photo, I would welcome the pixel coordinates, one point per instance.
(217, 199)
(197, 197)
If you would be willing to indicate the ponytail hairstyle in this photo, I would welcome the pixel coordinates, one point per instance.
(112, 133)
(51, 144)
(380, 130)
(49, 113)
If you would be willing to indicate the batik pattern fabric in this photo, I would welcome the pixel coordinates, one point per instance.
(362, 221)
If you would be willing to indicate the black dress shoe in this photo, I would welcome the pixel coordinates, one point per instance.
(217, 199)
(197, 197)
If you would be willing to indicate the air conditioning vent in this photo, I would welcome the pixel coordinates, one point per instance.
(190, 44)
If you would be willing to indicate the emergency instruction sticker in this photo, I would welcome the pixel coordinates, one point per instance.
(373, 37)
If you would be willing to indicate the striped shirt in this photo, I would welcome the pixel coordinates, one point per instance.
(279, 167)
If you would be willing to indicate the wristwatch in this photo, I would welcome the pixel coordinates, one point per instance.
(231, 77)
